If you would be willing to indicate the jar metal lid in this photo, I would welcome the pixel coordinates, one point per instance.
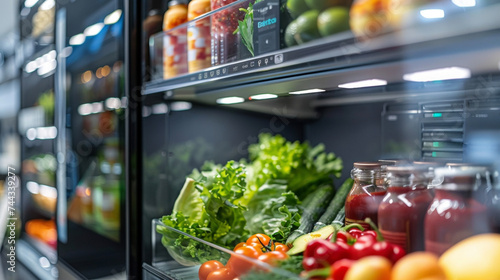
(367, 165)
(177, 2)
(457, 178)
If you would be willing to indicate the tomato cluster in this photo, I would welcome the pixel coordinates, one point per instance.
(258, 247)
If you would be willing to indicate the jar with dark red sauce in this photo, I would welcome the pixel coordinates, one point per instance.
(366, 194)
(455, 213)
(402, 212)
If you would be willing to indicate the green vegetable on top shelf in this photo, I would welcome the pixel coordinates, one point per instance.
(245, 27)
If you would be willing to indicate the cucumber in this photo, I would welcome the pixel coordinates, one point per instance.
(340, 219)
(335, 205)
(300, 244)
(316, 205)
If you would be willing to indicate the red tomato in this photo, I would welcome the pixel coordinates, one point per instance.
(272, 257)
(279, 247)
(208, 267)
(221, 274)
(259, 238)
(240, 265)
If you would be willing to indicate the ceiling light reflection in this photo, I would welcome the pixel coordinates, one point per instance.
(263, 96)
(93, 29)
(113, 17)
(314, 90)
(464, 3)
(364, 83)
(449, 73)
(432, 13)
(77, 39)
(230, 100)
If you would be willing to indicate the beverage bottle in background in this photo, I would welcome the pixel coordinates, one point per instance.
(198, 37)
(175, 41)
(151, 25)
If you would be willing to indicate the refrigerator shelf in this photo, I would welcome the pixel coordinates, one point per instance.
(329, 62)
(180, 264)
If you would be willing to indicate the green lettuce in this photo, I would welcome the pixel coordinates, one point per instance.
(274, 211)
(302, 166)
(217, 219)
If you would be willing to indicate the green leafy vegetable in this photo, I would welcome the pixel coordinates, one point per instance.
(221, 220)
(274, 211)
(245, 27)
(302, 166)
(292, 265)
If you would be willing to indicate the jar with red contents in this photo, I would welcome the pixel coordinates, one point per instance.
(366, 194)
(454, 214)
(402, 212)
(225, 42)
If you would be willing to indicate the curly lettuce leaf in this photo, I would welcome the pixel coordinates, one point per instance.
(273, 210)
(220, 221)
(302, 166)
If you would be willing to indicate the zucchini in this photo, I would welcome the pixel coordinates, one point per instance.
(335, 205)
(300, 244)
(316, 205)
(340, 219)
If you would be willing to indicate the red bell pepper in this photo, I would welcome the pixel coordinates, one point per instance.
(343, 244)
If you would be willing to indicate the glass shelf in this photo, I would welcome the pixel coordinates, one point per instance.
(416, 44)
(175, 261)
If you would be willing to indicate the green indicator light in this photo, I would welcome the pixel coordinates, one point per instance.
(435, 144)
(434, 154)
(437, 115)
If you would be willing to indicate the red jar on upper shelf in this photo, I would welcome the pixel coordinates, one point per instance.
(366, 194)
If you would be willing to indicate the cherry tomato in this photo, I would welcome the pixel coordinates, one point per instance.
(239, 245)
(208, 267)
(272, 257)
(240, 265)
(280, 247)
(259, 238)
(257, 246)
(221, 274)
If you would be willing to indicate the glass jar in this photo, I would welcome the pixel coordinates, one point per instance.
(493, 203)
(176, 14)
(366, 194)
(431, 166)
(454, 214)
(199, 37)
(224, 23)
(402, 212)
(175, 41)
